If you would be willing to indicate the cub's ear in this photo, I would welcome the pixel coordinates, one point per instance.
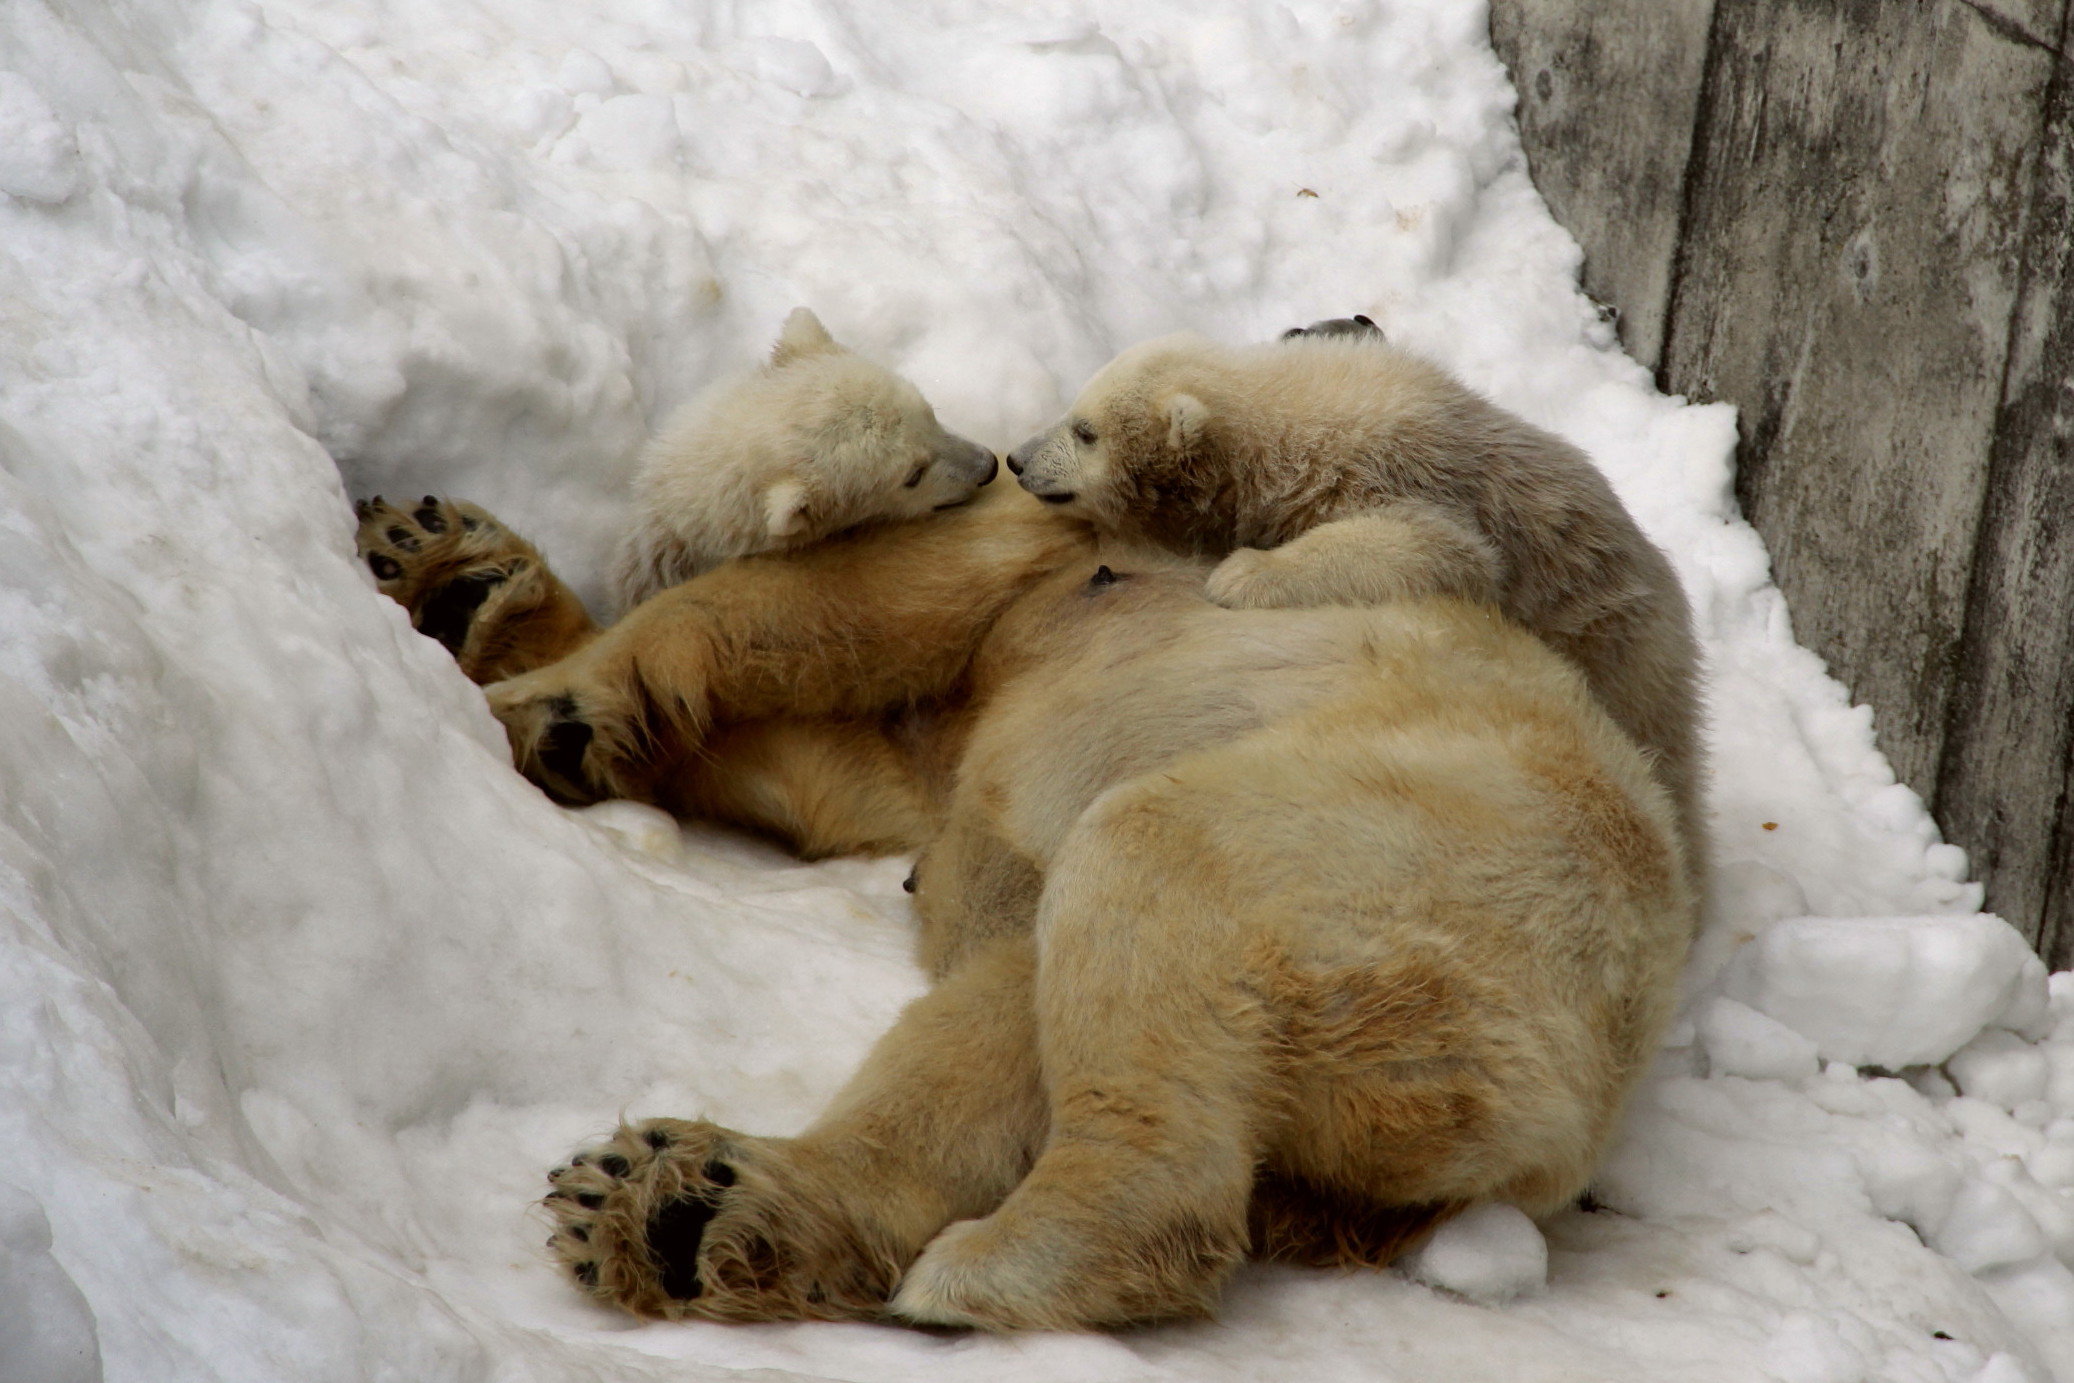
(1186, 418)
(785, 509)
(802, 336)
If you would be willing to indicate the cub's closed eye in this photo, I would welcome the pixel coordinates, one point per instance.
(916, 478)
(1084, 434)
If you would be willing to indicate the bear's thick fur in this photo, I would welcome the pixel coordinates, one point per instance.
(817, 440)
(1286, 932)
(1333, 468)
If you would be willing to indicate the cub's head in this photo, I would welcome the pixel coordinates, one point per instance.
(859, 442)
(1138, 452)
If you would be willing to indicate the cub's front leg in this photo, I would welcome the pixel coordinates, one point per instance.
(856, 629)
(1400, 551)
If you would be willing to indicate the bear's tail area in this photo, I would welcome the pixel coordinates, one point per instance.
(1295, 1221)
(651, 559)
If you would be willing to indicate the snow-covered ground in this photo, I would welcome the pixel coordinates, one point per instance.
(301, 987)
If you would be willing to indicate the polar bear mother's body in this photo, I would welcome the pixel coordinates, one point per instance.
(1287, 932)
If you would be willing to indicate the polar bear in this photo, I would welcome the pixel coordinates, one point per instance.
(1334, 468)
(817, 440)
(1286, 933)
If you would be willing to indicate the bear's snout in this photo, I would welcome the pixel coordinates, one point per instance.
(1020, 457)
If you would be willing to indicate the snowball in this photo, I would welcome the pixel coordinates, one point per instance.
(47, 1330)
(1891, 991)
(1488, 1254)
(1740, 1041)
(2001, 1068)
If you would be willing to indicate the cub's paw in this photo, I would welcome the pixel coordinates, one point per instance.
(577, 736)
(1249, 579)
(471, 583)
(674, 1218)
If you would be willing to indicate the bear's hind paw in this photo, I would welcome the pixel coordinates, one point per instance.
(630, 1216)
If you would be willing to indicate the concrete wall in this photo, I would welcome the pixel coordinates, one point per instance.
(1855, 220)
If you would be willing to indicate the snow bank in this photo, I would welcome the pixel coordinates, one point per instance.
(301, 987)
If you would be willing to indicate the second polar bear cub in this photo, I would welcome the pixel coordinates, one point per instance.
(1336, 469)
(816, 441)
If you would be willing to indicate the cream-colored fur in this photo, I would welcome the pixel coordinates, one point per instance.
(817, 440)
(1277, 932)
(1338, 469)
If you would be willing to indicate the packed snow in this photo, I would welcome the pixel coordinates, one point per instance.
(301, 987)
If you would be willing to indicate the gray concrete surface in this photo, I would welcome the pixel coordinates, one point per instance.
(1852, 219)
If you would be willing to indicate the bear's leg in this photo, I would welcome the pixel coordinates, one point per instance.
(971, 889)
(873, 625)
(676, 1218)
(1157, 1058)
(1399, 551)
(835, 787)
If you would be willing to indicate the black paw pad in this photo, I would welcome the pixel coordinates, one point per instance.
(657, 1139)
(613, 1165)
(428, 516)
(448, 611)
(674, 1232)
(590, 1200)
(587, 1274)
(719, 1173)
(384, 567)
(561, 751)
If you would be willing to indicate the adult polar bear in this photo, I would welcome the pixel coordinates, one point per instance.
(1292, 931)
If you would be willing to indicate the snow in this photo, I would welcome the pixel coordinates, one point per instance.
(1490, 1254)
(301, 988)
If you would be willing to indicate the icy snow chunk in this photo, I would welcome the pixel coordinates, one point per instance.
(1489, 1254)
(2059, 1080)
(794, 64)
(2001, 1068)
(1908, 1182)
(1768, 1229)
(1807, 1349)
(39, 160)
(1740, 1041)
(2052, 1165)
(1987, 1229)
(639, 827)
(47, 1330)
(1891, 991)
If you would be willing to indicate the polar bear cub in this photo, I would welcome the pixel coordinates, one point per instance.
(816, 441)
(1332, 468)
